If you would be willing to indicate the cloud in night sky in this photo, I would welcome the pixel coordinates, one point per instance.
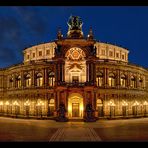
(22, 27)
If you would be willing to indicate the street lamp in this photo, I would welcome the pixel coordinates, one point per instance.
(16, 105)
(145, 105)
(27, 107)
(111, 104)
(124, 106)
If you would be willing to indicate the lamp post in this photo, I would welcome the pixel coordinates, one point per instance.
(111, 104)
(27, 107)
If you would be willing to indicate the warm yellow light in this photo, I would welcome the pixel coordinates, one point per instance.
(15, 103)
(69, 110)
(136, 103)
(81, 107)
(145, 103)
(27, 103)
(124, 103)
(1, 103)
(7, 103)
(40, 103)
(111, 103)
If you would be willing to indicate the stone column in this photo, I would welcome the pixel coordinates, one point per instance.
(63, 71)
(33, 78)
(22, 79)
(87, 71)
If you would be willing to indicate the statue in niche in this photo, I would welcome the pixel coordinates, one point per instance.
(61, 113)
(89, 113)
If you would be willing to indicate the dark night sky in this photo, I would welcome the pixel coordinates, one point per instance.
(22, 27)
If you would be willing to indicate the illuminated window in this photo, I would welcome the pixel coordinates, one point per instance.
(28, 80)
(122, 57)
(117, 55)
(102, 52)
(111, 79)
(11, 82)
(18, 81)
(99, 107)
(39, 79)
(140, 82)
(28, 56)
(133, 82)
(51, 107)
(110, 53)
(122, 80)
(33, 55)
(75, 78)
(40, 53)
(51, 79)
(47, 52)
(99, 79)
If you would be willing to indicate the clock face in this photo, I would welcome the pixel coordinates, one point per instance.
(75, 53)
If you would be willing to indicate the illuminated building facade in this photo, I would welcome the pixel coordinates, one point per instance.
(74, 70)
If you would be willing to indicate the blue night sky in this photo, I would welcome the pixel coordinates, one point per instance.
(22, 27)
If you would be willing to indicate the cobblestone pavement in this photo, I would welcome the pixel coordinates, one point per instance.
(29, 130)
(75, 134)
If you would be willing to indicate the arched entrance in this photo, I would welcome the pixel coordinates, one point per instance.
(75, 106)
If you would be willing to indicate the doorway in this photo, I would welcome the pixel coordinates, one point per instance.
(75, 109)
(75, 106)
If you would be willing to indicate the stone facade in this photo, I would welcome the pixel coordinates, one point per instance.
(75, 71)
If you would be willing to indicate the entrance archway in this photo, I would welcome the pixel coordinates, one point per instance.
(75, 106)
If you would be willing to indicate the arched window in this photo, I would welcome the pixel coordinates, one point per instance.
(39, 79)
(28, 80)
(99, 107)
(11, 82)
(123, 80)
(112, 79)
(51, 107)
(51, 79)
(99, 79)
(140, 82)
(133, 82)
(18, 81)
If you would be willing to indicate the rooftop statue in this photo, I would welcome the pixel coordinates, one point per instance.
(75, 23)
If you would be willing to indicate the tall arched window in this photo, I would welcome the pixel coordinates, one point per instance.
(100, 107)
(39, 79)
(112, 79)
(51, 79)
(99, 79)
(51, 107)
(18, 81)
(133, 82)
(28, 80)
(140, 82)
(11, 82)
(123, 80)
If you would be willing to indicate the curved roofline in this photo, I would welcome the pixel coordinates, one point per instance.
(38, 44)
(112, 44)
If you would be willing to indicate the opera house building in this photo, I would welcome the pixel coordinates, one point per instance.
(75, 70)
